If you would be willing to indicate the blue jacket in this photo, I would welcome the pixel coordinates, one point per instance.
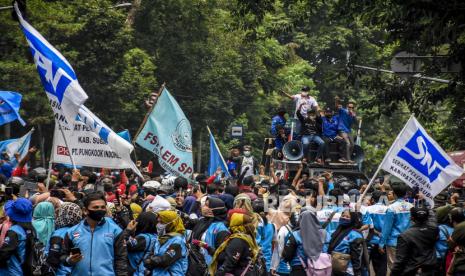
(103, 249)
(445, 231)
(17, 259)
(277, 121)
(377, 213)
(323, 216)
(59, 233)
(210, 238)
(344, 247)
(179, 268)
(330, 127)
(345, 120)
(396, 221)
(264, 237)
(136, 259)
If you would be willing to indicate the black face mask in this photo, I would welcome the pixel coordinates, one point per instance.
(96, 215)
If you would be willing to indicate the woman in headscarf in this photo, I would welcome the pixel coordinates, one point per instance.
(302, 245)
(142, 240)
(266, 233)
(347, 240)
(238, 254)
(289, 209)
(136, 210)
(44, 221)
(211, 230)
(68, 215)
(171, 258)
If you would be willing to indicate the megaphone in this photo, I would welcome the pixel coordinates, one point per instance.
(293, 150)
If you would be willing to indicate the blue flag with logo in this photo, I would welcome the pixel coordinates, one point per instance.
(420, 162)
(56, 74)
(10, 103)
(216, 159)
(17, 145)
(167, 133)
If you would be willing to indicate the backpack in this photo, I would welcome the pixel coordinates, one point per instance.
(321, 267)
(197, 265)
(257, 267)
(38, 260)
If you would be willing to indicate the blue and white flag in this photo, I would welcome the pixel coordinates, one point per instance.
(167, 133)
(17, 145)
(57, 76)
(216, 159)
(419, 161)
(9, 107)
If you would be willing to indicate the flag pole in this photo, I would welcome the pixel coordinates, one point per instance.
(49, 169)
(66, 144)
(50, 162)
(147, 115)
(382, 162)
(219, 152)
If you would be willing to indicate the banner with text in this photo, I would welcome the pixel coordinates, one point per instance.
(87, 148)
(167, 133)
(419, 161)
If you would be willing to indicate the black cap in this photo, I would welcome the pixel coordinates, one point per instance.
(306, 88)
(328, 109)
(419, 214)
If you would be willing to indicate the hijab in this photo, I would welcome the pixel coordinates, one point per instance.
(173, 224)
(146, 223)
(343, 230)
(214, 212)
(242, 226)
(136, 210)
(69, 214)
(311, 235)
(44, 221)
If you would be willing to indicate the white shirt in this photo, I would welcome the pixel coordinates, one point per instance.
(309, 103)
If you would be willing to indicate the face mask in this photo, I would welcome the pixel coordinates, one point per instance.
(96, 215)
(247, 153)
(344, 221)
(161, 228)
(313, 117)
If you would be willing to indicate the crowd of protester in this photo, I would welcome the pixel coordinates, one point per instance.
(249, 221)
(115, 223)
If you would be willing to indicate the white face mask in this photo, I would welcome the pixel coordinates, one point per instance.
(247, 153)
(161, 229)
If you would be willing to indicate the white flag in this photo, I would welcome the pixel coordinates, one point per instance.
(419, 161)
